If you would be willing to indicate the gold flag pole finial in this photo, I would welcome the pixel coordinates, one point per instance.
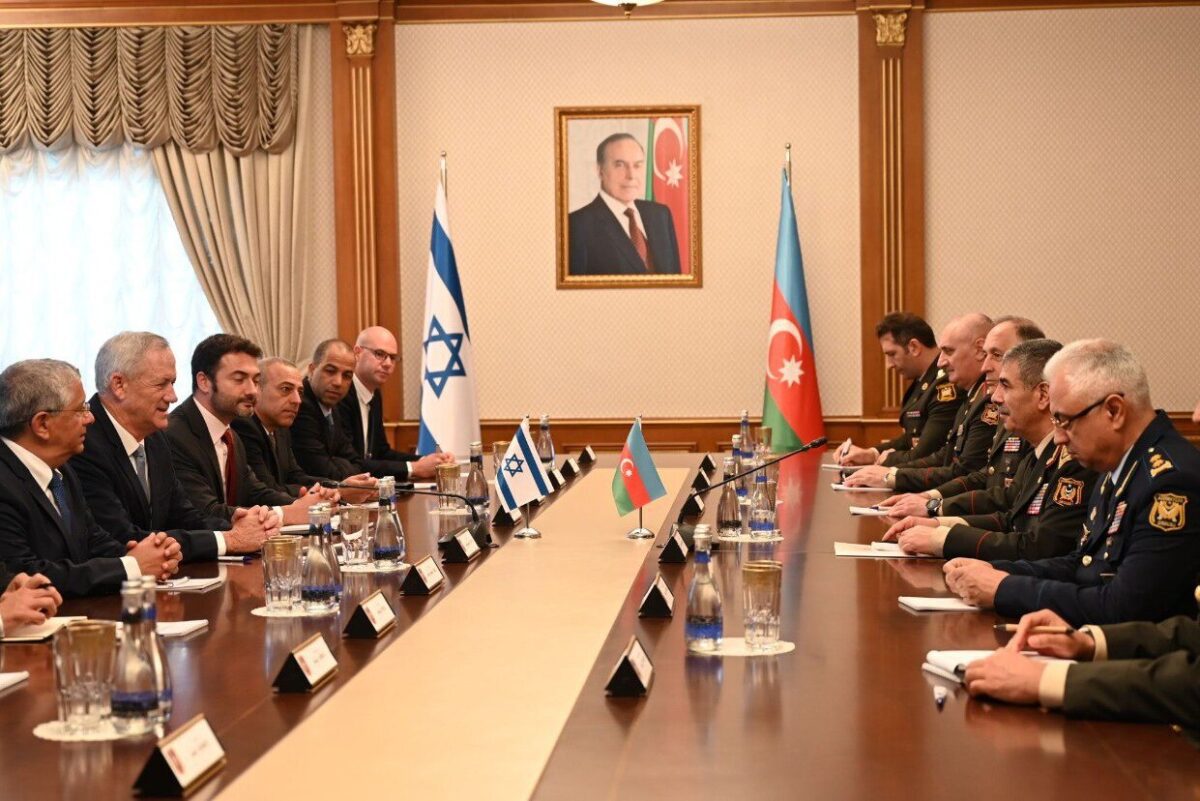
(442, 172)
(787, 161)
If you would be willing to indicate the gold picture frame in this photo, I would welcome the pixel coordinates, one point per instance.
(598, 178)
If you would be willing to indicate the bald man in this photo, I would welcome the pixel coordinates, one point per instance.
(361, 411)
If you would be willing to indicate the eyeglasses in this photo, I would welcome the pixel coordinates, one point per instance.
(1064, 423)
(382, 355)
(80, 410)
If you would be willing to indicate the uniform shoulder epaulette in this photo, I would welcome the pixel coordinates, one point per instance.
(1159, 462)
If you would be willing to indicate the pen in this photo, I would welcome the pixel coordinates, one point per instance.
(842, 451)
(237, 558)
(939, 695)
(1011, 628)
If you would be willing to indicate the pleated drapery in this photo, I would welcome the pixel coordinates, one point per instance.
(196, 86)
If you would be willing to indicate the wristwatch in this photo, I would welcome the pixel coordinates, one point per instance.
(933, 506)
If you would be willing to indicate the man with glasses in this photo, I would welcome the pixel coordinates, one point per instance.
(45, 524)
(361, 411)
(1139, 553)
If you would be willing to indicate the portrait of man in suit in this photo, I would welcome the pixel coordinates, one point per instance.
(626, 200)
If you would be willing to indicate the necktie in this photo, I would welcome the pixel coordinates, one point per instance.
(59, 491)
(639, 241)
(230, 469)
(139, 462)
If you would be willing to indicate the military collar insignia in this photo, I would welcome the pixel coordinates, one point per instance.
(1158, 463)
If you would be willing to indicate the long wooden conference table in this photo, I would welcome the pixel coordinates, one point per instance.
(493, 687)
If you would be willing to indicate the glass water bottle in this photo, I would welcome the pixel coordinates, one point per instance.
(705, 623)
(729, 512)
(738, 463)
(388, 552)
(477, 488)
(762, 508)
(321, 578)
(162, 669)
(134, 692)
(545, 444)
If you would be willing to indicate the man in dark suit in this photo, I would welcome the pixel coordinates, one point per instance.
(209, 457)
(45, 524)
(318, 439)
(1135, 671)
(125, 468)
(618, 233)
(266, 434)
(1139, 554)
(361, 410)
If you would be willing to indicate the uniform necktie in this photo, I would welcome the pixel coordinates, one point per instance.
(59, 491)
(639, 240)
(230, 469)
(139, 462)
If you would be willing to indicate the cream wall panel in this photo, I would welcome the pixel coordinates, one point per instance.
(486, 94)
(1062, 180)
(320, 308)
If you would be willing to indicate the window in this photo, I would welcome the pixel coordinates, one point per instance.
(88, 248)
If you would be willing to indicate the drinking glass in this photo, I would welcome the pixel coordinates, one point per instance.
(498, 450)
(762, 436)
(761, 581)
(356, 535)
(447, 481)
(83, 669)
(281, 572)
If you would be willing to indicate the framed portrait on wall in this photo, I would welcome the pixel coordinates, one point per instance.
(628, 196)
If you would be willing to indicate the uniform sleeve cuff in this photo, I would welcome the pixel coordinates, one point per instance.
(1097, 634)
(939, 539)
(1053, 685)
(950, 522)
(933, 495)
(890, 478)
(221, 549)
(132, 568)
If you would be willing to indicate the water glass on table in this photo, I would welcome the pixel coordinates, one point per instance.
(499, 448)
(357, 536)
(761, 580)
(447, 481)
(83, 670)
(281, 572)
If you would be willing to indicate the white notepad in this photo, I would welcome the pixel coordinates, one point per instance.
(846, 468)
(844, 488)
(876, 550)
(8, 680)
(179, 628)
(951, 664)
(42, 632)
(925, 604)
(868, 511)
(189, 584)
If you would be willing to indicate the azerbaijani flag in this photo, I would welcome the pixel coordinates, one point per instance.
(670, 179)
(792, 399)
(635, 482)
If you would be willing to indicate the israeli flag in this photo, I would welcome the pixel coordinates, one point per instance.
(521, 478)
(449, 405)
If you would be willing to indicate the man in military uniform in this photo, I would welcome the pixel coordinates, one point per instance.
(931, 401)
(962, 357)
(918, 488)
(1134, 671)
(1044, 508)
(1140, 551)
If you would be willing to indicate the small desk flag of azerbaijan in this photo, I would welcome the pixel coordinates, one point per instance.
(792, 400)
(636, 481)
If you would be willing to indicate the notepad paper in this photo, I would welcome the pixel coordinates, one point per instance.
(951, 664)
(189, 584)
(844, 488)
(179, 628)
(42, 632)
(923, 604)
(876, 550)
(12, 679)
(868, 511)
(845, 468)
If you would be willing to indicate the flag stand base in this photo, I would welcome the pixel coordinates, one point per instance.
(527, 532)
(641, 532)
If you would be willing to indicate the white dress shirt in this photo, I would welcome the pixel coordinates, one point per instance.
(618, 210)
(42, 474)
(365, 396)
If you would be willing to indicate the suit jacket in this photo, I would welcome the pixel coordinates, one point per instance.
(322, 447)
(599, 245)
(1139, 554)
(1004, 456)
(118, 503)
(80, 559)
(927, 414)
(376, 454)
(200, 473)
(1046, 505)
(272, 460)
(1151, 675)
(965, 450)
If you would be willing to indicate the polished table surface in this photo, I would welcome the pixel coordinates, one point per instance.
(848, 714)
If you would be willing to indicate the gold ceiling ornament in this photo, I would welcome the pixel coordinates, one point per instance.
(360, 38)
(889, 28)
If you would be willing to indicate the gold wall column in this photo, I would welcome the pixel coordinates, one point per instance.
(892, 187)
(364, 139)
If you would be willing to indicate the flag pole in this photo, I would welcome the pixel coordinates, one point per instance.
(442, 172)
(641, 532)
(787, 161)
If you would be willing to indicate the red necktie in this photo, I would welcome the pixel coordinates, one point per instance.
(639, 241)
(230, 468)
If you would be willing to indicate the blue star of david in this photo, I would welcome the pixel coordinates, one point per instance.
(514, 465)
(454, 364)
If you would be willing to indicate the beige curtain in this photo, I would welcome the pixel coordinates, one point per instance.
(196, 86)
(243, 220)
